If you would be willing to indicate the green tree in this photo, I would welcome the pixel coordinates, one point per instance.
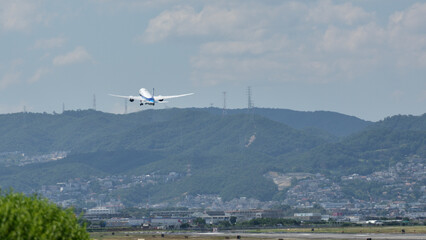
(23, 217)
(185, 225)
(102, 224)
(233, 220)
(199, 222)
(224, 224)
(270, 222)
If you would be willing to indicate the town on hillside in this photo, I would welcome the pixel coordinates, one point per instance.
(310, 196)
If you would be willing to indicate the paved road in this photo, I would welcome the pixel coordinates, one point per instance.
(318, 236)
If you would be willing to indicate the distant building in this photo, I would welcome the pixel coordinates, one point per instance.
(117, 222)
(137, 222)
(308, 216)
(354, 218)
(168, 214)
(100, 211)
(213, 217)
(125, 222)
(247, 215)
(168, 222)
(334, 205)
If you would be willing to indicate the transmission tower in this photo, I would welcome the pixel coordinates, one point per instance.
(224, 103)
(249, 99)
(94, 102)
(250, 109)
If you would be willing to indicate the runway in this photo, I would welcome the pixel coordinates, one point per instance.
(341, 236)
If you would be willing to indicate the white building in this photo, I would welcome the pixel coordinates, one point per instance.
(100, 210)
(213, 217)
(166, 222)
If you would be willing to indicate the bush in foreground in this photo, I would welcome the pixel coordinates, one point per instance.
(23, 217)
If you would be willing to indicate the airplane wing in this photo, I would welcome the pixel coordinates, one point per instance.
(131, 98)
(161, 98)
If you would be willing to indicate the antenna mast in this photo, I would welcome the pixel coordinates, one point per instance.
(250, 109)
(94, 102)
(224, 104)
(250, 101)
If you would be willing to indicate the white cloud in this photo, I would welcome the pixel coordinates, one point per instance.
(113, 5)
(210, 21)
(38, 74)
(412, 19)
(18, 14)
(320, 42)
(365, 37)
(261, 41)
(9, 79)
(243, 47)
(329, 13)
(50, 43)
(407, 35)
(401, 43)
(78, 55)
(214, 70)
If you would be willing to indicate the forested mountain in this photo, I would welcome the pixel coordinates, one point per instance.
(227, 155)
(403, 122)
(333, 123)
(168, 130)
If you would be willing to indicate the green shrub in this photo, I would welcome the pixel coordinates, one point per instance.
(34, 217)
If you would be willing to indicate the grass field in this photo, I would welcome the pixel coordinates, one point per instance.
(372, 229)
(144, 236)
(349, 230)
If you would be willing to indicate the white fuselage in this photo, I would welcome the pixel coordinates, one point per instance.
(146, 96)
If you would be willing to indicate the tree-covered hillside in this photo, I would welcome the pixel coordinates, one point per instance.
(227, 155)
(403, 122)
(326, 122)
(85, 131)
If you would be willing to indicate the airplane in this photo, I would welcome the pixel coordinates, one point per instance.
(145, 97)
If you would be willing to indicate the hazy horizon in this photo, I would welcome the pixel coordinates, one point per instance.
(360, 58)
(219, 108)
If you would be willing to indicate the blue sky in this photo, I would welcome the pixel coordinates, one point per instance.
(361, 58)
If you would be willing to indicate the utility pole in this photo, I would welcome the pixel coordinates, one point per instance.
(250, 109)
(249, 100)
(94, 102)
(224, 104)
